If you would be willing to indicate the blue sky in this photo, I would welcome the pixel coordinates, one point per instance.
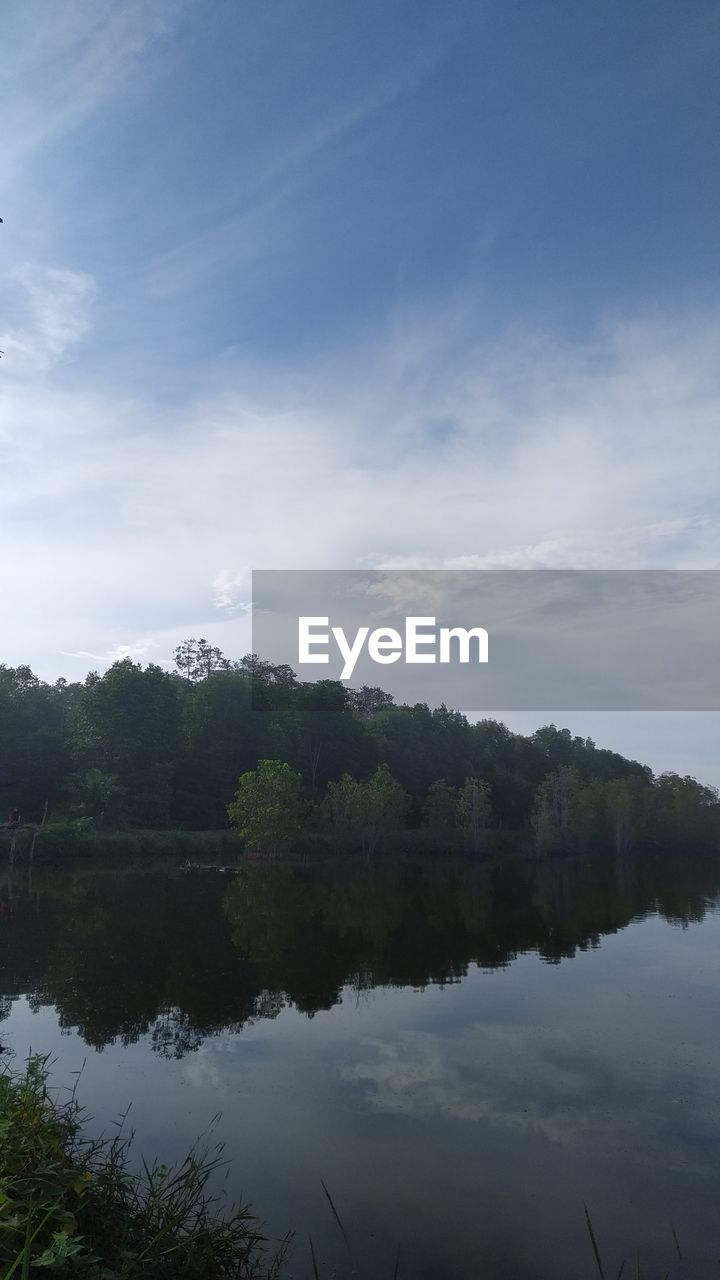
(301, 284)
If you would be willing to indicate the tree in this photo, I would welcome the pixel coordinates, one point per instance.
(268, 806)
(683, 813)
(610, 814)
(440, 808)
(368, 700)
(127, 725)
(96, 795)
(555, 811)
(224, 733)
(198, 659)
(34, 755)
(344, 809)
(326, 736)
(473, 813)
(367, 813)
(624, 796)
(265, 672)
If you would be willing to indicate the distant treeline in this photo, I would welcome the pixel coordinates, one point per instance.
(150, 749)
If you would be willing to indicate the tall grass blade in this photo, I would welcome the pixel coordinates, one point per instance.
(316, 1273)
(594, 1242)
(677, 1243)
(25, 1273)
(336, 1215)
(396, 1272)
(23, 1258)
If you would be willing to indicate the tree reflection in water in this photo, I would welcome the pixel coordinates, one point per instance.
(180, 957)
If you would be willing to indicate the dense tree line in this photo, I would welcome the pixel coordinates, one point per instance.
(149, 748)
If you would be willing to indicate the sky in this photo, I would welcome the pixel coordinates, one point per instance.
(294, 284)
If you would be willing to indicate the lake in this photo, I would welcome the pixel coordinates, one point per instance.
(464, 1055)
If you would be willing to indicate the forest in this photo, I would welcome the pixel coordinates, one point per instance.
(217, 743)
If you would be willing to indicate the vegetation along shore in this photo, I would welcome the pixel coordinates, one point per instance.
(254, 759)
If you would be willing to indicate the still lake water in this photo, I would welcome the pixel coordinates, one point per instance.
(463, 1055)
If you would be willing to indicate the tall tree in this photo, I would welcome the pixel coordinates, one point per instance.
(440, 809)
(267, 807)
(473, 813)
(127, 725)
(367, 813)
(198, 659)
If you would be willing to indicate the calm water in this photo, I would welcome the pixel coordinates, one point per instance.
(463, 1056)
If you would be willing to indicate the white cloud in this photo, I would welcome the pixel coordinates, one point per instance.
(136, 650)
(635, 544)
(120, 510)
(46, 313)
(547, 1081)
(228, 590)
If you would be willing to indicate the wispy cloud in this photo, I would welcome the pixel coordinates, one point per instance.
(60, 63)
(136, 649)
(261, 225)
(230, 590)
(46, 313)
(635, 545)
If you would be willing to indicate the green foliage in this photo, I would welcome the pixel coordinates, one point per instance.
(74, 1207)
(60, 840)
(198, 659)
(440, 807)
(474, 810)
(384, 809)
(554, 817)
(95, 795)
(268, 807)
(623, 814)
(682, 812)
(344, 811)
(34, 747)
(79, 839)
(223, 734)
(366, 814)
(368, 700)
(145, 749)
(127, 725)
(324, 731)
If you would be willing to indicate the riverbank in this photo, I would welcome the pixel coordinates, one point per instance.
(75, 842)
(78, 839)
(65, 842)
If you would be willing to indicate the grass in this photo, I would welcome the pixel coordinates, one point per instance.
(637, 1270)
(70, 1206)
(78, 840)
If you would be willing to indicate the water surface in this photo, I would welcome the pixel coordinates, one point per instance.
(463, 1055)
